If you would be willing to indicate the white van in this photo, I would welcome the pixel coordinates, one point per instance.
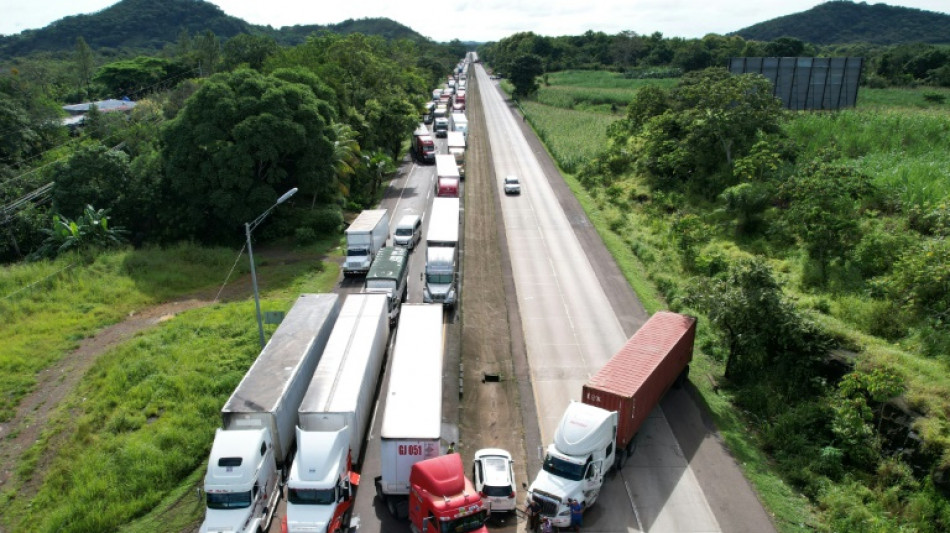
(408, 231)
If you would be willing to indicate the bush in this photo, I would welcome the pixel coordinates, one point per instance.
(879, 248)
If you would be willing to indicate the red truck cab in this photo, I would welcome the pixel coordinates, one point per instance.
(424, 148)
(442, 499)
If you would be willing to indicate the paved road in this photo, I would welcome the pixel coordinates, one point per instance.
(571, 330)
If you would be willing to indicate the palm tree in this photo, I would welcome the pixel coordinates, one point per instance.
(346, 155)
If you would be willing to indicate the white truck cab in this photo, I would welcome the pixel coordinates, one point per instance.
(242, 484)
(576, 462)
(319, 490)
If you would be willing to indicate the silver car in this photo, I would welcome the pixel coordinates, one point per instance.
(494, 477)
(512, 185)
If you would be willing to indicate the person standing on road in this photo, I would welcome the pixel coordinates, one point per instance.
(577, 514)
(451, 447)
(533, 510)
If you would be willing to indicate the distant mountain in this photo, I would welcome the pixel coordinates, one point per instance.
(841, 22)
(383, 27)
(151, 24)
(137, 24)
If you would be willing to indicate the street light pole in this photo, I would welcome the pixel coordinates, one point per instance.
(248, 228)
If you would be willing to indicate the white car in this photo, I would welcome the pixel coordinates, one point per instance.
(494, 478)
(512, 185)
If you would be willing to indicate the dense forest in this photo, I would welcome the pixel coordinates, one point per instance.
(653, 56)
(221, 128)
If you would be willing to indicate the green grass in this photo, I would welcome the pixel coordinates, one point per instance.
(592, 91)
(130, 441)
(571, 136)
(911, 99)
(905, 151)
(49, 306)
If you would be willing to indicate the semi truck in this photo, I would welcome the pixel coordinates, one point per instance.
(411, 427)
(334, 417)
(441, 126)
(442, 248)
(447, 177)
(597, 434)
(365, 236)
(456, 144)
(443, 499)
(251, 450)
(423, 145)
(389, 276)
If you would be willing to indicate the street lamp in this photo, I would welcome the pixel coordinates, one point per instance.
(248, 228)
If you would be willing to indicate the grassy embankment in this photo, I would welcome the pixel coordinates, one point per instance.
(131, 440)
(895, 136)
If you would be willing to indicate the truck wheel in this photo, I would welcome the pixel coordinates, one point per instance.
(392, 507)
(621, 459)
(402, 509)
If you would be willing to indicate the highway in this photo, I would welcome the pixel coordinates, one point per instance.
(571, 330)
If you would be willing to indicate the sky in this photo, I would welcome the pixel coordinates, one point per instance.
(478, 20)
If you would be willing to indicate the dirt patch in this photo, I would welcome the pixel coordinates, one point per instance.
(54, 384)
(490, 413)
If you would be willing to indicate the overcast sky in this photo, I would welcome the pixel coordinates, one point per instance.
(481, 20)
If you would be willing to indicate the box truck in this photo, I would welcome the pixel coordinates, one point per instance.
(389, 276)
(597, 434)
(365, 236)
(251, 450)
(412, 417)
(334, 417)
(447, 177)
(442, 244)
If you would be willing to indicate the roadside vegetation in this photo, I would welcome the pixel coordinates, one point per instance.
(813, 252)
(133, 438)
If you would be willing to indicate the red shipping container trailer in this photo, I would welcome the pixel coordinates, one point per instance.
(639, 374)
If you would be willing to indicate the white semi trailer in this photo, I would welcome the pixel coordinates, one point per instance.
(252, 448)
(412, 420)
(334, 417)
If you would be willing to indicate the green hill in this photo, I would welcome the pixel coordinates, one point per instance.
(149, 25)
(383, 27)
(840, 22)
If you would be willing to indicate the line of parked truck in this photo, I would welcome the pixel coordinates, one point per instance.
(300, 415)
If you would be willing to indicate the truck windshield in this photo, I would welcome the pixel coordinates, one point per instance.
(357, 251)
(439, 278)
(229, 500)
(564, 469)
(466, 523)
(311, 496)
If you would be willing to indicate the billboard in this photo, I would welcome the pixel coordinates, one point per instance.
(807, 82)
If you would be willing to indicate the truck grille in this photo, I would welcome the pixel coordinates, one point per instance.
(549, 502)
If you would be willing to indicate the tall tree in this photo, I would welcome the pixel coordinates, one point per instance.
(85, 63)
(207, 49)
(825, 209)
(525, 70)
(242, 140)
